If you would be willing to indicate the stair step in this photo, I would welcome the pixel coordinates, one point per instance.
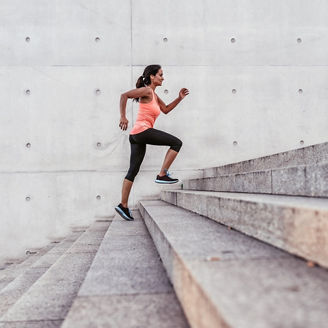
(309, 155)
(9, 272)
(48, 300)
(299, 225)
(224, 278)
(20, 283)
(303, 180)
(126, 285)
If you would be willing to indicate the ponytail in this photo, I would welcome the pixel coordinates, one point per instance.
(144, 79)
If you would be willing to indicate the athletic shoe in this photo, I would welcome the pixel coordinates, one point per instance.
(166, 179)
(124, 212)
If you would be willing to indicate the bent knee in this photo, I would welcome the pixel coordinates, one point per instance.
(177, 145)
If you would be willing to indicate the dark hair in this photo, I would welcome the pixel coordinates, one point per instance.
(144, 79)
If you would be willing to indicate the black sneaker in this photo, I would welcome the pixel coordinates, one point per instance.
(166, 179)
(124, 212)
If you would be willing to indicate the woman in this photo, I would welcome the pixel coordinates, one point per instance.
(143, 132)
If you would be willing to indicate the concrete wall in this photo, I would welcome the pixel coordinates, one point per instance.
(256, 71)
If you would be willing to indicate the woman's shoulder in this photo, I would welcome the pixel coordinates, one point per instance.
(148, 90)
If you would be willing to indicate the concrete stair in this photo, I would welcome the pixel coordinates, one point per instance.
(224, 278)
(280, 199)
(310, 155)
(42, 295)
(21, 277)
(298, 225)
(228, 241)
(302, 180)
(126, 285)
(300, 172)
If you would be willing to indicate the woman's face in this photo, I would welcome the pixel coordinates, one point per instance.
(158, 78)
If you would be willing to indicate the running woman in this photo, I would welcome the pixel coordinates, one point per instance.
(150, 106)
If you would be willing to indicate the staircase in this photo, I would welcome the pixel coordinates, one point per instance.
(247, 244)
(244, 246)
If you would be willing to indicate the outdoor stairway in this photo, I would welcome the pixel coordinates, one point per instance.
(225, 278)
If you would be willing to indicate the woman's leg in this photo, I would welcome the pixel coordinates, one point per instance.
(168, 160)
(157, 137)
(126, 188)
(138, 152)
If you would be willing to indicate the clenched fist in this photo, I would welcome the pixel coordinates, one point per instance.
(123, 123)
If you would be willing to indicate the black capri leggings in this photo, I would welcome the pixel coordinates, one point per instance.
(138, 147)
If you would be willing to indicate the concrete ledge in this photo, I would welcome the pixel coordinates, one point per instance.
(311, 155)
(226, 279)
(305, 180)
(298, 225)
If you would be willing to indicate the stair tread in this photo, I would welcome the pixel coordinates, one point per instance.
(300, 201)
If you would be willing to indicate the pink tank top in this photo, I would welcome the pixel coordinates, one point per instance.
(147, 115)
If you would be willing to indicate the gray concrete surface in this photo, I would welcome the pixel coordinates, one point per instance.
(310, 155)
(303, 180)
(224, 278)
(298, 225)
(32, 324)
(51, 296)
(19, 281)
(127, 285)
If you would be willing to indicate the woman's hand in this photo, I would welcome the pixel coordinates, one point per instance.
(183, 92)
(124, 123)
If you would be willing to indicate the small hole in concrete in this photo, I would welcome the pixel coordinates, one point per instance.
(98, 92)
(165, 39)
(97, 39)
(98, 144)
(98, 197)
(28, 145)
(28, 198)
(235, 143)
(232, 40)
(299, 40)
(27, 91)
(166, 91)
(302, 142)
(300, 90)
(27, 39)
(227, 252)
(234, 90)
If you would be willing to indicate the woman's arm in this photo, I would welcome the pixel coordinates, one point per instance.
(134, 93)
(167, 108)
